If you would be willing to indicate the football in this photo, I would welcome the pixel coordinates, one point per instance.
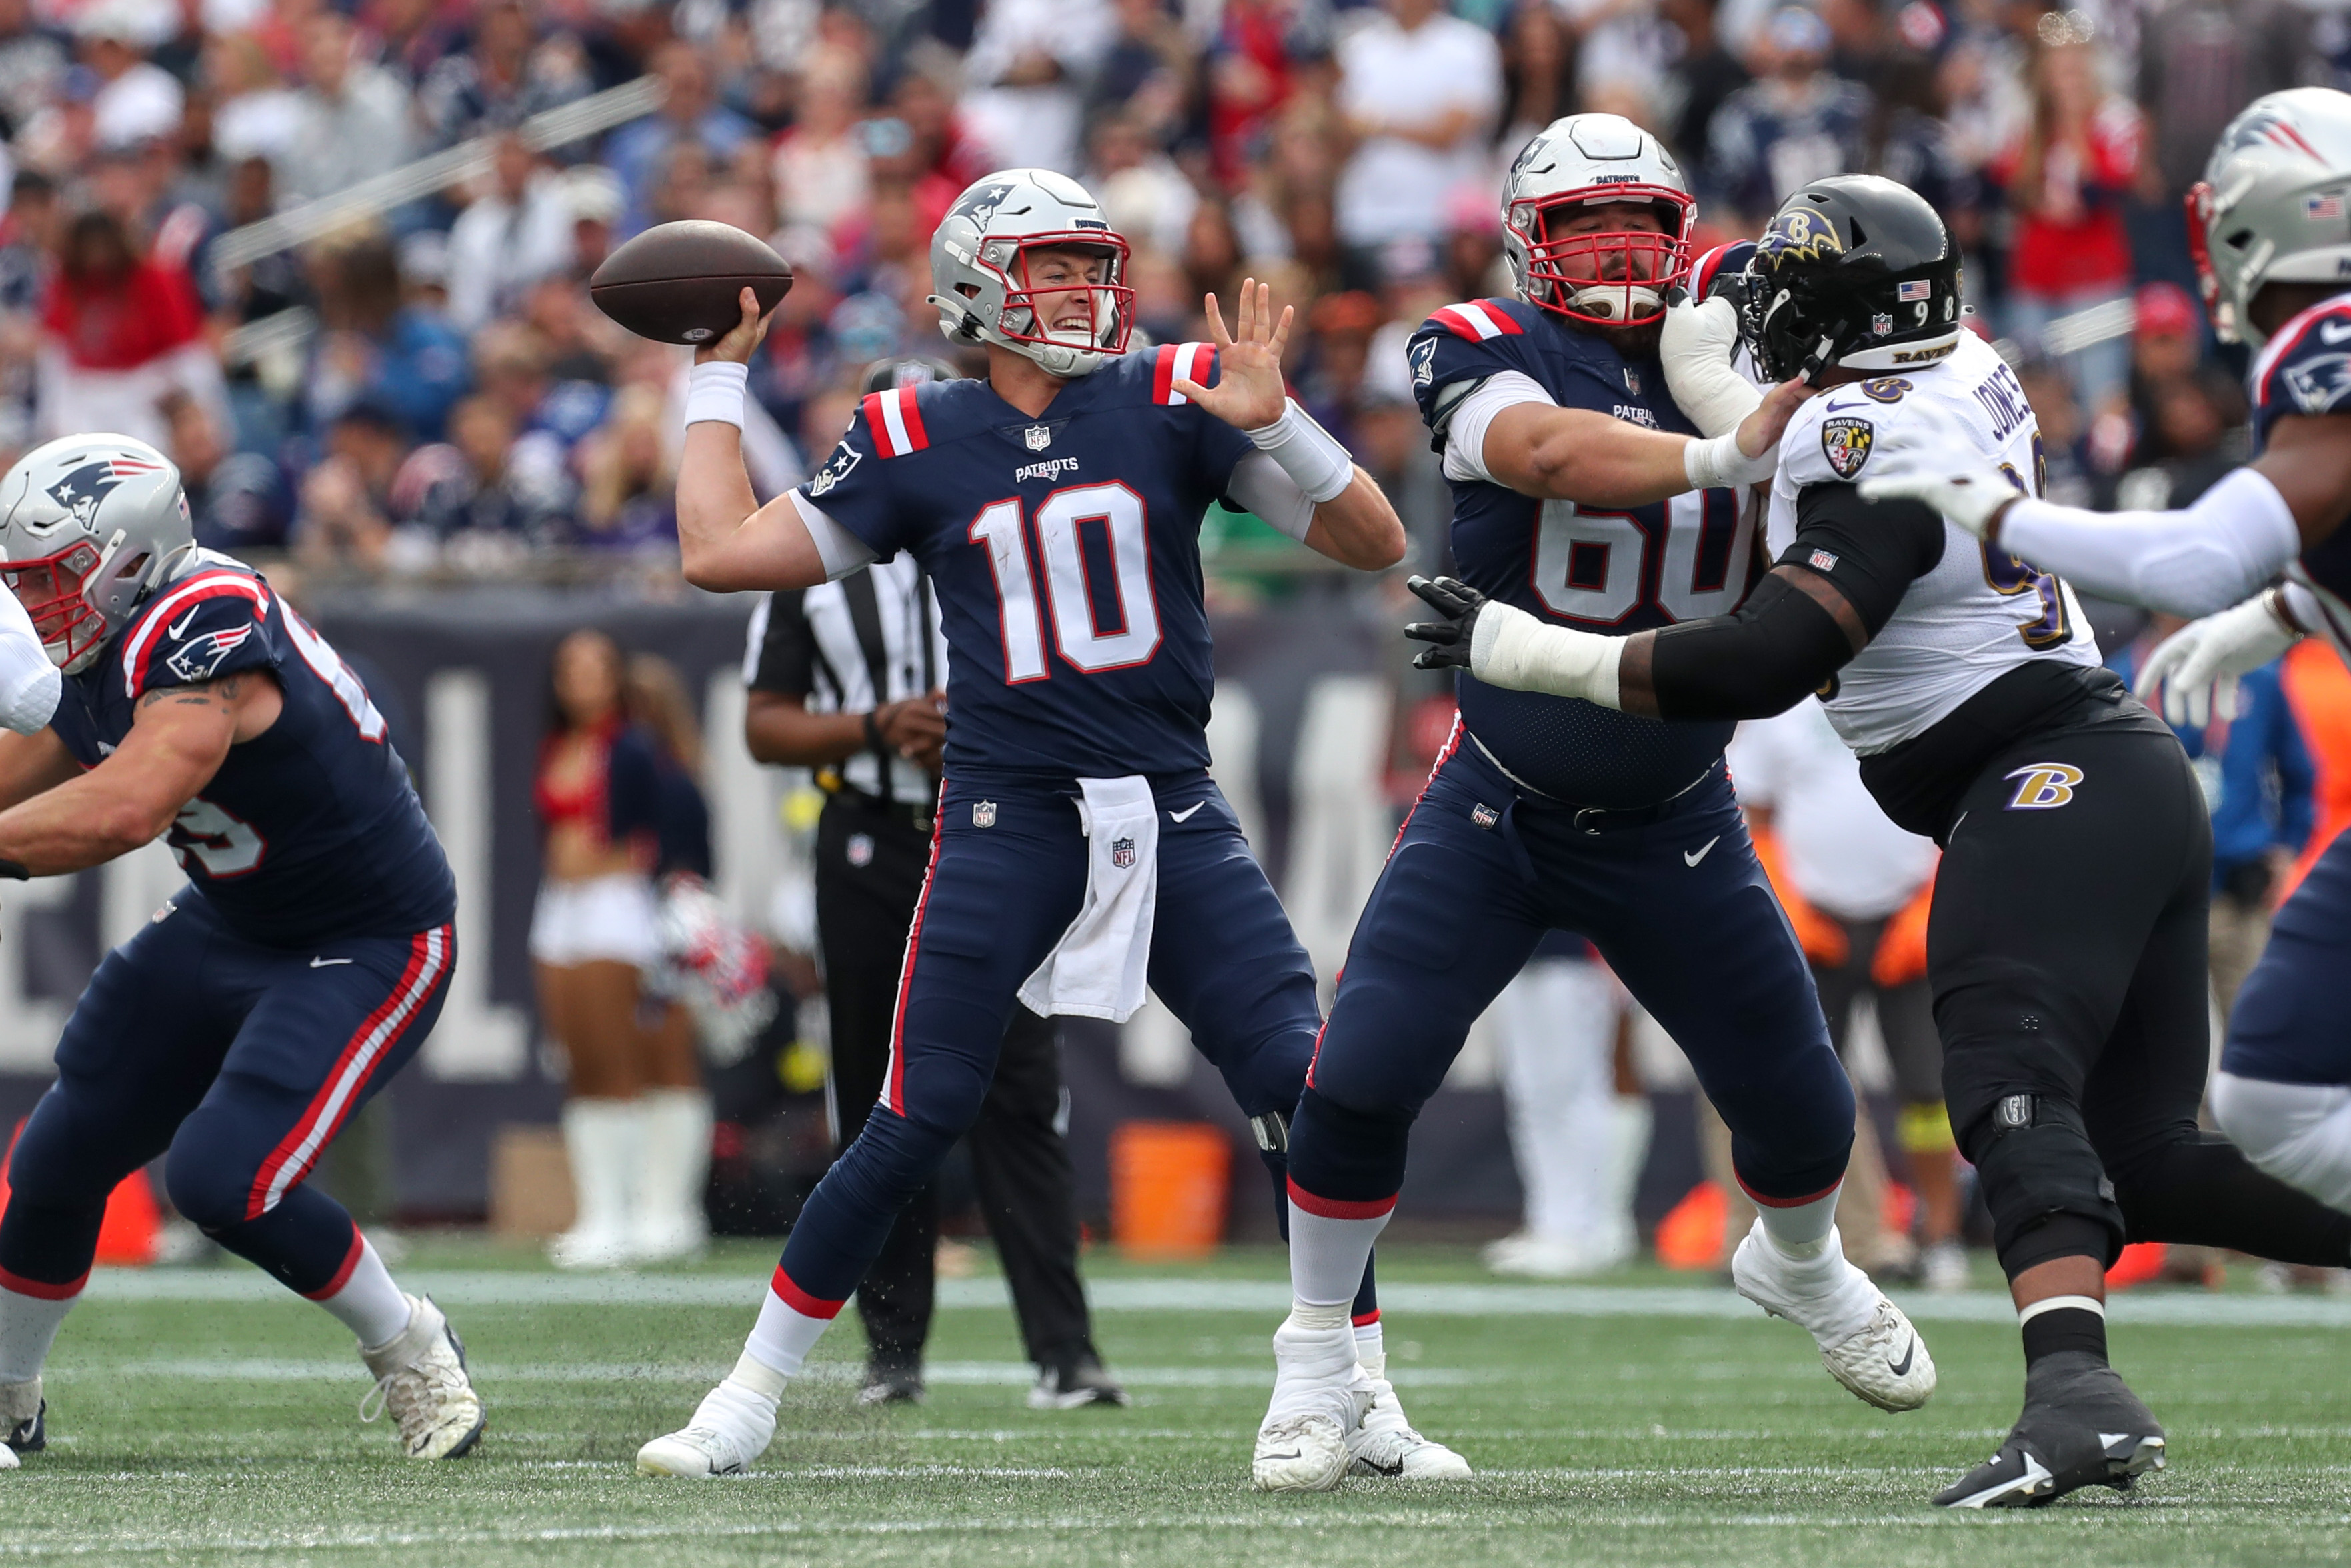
(677, 283)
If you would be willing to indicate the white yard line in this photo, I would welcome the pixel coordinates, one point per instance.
(491, 1288)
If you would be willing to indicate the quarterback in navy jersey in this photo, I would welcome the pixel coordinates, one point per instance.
(2273, 243)
(274, 996)
(1081, 847)
(1582, 497)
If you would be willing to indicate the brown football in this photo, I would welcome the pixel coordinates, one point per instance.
(678, 283)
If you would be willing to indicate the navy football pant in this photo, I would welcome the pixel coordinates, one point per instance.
(241, 1061)
(1677, 906)
(998, 898)
(2292, 1023)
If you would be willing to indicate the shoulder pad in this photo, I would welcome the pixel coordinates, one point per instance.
(1724, 261)
(895, 419)
(1481, 320)
(2306, 368)
(1828, 448)
(1171, 362)
(201, 627)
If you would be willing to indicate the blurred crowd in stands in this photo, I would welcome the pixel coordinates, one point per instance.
(426, 387)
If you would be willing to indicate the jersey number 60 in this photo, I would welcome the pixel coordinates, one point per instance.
(1591, 565)
(1064, 520)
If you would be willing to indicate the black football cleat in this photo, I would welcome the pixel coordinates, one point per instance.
(1075, 1384)
(892, 1386)
(2082, 1427)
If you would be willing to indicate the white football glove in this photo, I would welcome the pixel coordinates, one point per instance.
(2197, 665)
(1699, 338)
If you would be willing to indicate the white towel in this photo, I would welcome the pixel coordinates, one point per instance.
(1100, 968)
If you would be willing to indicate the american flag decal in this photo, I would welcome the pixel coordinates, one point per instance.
(1917, 288)
(2327, 208)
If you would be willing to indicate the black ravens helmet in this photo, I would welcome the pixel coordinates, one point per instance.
(1855, 271)
(912, 370)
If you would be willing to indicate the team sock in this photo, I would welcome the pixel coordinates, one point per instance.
(790, 1323)
(2062, 1322)
(1330, 1245)
(1371, 1348)
(1833, 1299)
(28, 1326)
(369, 1303)
(1800, 1231)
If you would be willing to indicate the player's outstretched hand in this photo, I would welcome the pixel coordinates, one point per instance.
(741, 338)
(1249, 393)
(2197, 665)
(1451, 637)
(1761, 431)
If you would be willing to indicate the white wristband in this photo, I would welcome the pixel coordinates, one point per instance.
(1510, 648)
(1309, 453)
(1718, 464)
(716, 392)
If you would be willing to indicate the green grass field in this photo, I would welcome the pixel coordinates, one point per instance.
(198, 1417)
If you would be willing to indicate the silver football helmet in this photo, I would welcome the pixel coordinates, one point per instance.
(1613, 277)
(979, 269)
(2274, 206)
(90, 526)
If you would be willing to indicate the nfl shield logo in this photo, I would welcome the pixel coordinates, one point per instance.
(1632, 380)
(861, 850)
(1881, 323)
(1038, 436)
(1121, 852)
(983, 813)
(1485, 816)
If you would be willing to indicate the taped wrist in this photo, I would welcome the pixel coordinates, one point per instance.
(1778, 648)
(1510, 648)
(1718, 464)
(716, 393)
(1309, 453)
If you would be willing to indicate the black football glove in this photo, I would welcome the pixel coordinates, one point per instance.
(1458, 603)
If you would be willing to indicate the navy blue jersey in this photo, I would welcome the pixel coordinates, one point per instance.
(1065, 552)
(2307, 369)
(1610, 572)
(310, 830)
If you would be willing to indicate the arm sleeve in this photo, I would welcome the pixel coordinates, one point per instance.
(1259, 485)
(1782, 645)
(841, 551)
(1465, 443)
(782, 655)
(2195, 562)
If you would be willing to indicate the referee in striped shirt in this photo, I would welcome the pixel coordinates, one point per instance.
(845, 678)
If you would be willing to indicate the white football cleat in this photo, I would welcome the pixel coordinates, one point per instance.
(420, 1378)
(732, 1426)
(696, 1453)
(1884, 1362)
(1319, 1395)
(1386, 1444)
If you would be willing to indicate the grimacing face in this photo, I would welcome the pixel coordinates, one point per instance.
(1061, 285)
(1616, 217)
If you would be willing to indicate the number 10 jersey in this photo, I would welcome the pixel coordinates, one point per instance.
(1065, 553)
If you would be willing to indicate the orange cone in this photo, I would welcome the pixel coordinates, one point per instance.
(2140, 1262)
(1690, 1237)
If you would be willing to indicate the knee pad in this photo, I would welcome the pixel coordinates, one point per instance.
(1350, 1157)
(2298, 1133)
(2033, 1156)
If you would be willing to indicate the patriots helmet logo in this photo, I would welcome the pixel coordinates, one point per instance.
(836, 468)
(195, 661)
(81, 491)
(1799, 234)
(980, 202)
(2320, 383)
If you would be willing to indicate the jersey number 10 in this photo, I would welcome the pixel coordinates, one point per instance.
(1063, 519)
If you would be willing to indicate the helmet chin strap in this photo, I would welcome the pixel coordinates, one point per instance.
(1638, 300)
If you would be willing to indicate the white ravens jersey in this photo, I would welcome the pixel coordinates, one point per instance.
(1979, 612)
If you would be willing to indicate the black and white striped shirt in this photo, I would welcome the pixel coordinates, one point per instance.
(850, 646)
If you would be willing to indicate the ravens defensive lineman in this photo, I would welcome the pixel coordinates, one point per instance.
(1080, 847)
(1581, 497)
(2274, 246)
(271, 997)
(2074, 1042)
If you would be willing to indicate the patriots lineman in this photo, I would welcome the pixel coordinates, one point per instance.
(1581, 497)
(2066, 948)
(2275, 241)
(272, 996)
(1081, 847)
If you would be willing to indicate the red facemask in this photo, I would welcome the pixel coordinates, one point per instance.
(1561, 267)
(50, 588)
(1109, 297)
